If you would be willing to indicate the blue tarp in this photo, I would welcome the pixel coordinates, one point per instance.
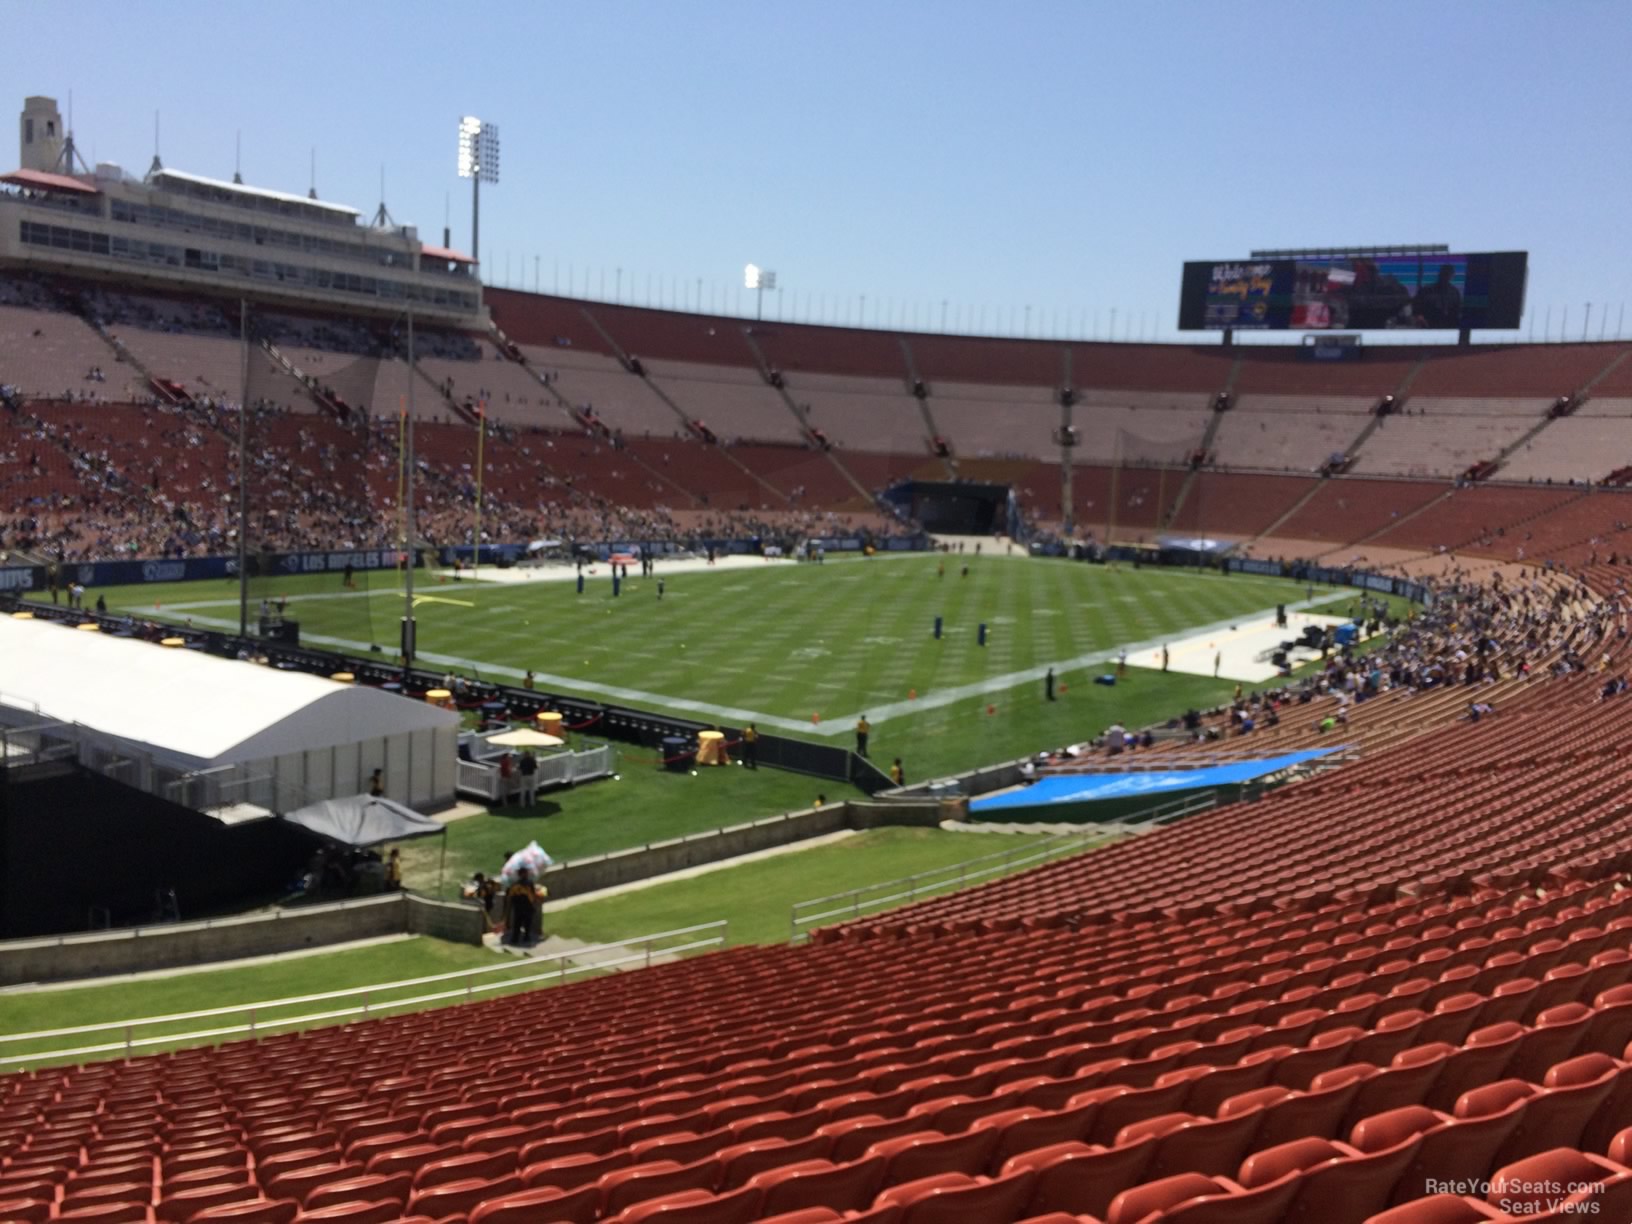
(1089, 787)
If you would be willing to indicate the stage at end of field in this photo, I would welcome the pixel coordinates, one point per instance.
(1242, 651)
(602, 570)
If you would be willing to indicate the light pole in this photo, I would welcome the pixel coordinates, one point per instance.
(758, 279)
(479, 162)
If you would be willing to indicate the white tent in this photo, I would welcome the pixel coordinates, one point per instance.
(279, 739)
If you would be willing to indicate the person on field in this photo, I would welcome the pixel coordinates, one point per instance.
(529, 778)
(863, 730)
(521, 903)
(1048, 685)
(750, 746)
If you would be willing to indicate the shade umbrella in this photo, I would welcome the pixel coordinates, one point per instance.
(526, 737)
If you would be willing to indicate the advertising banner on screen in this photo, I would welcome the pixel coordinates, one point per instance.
(1419, 291)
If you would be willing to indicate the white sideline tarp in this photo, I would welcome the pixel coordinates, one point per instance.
(188, 711)
(364, 820)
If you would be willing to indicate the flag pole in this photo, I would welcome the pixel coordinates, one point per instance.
(243, 471)
(481, 435)
(1110, 513)
(402, 471)
(408, 643)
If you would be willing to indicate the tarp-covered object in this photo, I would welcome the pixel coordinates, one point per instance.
(364, 820)
(1094, 787)
(531, 858)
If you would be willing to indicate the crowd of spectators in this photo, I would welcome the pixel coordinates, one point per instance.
(161, 480)
(1472, 635)
(27, 293)
(116, 308)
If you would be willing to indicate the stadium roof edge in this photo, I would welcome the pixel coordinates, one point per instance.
(428, 251)
(260, 193)
(40, 180)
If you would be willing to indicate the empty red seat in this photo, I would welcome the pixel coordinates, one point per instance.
(1439, 1209)
(654, 1179)
(819, 1183)
(1187, 1144)
(1556, 1115)
(742, 1161)
(925, 1153)
(458, 1198)
(367, 1188)
(953, 1198)
(1545, 1181)
(356, 1212)
(1082, 1178)
(183, 1205)
(253, 1211)
(738, 1206)
(577, 1206)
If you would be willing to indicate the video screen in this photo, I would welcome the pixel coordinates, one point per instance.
(1356, 293)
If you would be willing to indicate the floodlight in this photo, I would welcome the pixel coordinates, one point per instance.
(479, 162)
(478, 149)
(758, 279)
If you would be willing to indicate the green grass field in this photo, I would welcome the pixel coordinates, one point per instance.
(785, 644)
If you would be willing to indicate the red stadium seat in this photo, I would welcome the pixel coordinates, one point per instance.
(458, 1198)
(577, 1206)
(738, 1206)
(819, 1183)
(956, 1198)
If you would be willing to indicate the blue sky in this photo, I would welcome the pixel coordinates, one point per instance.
(1065, 157)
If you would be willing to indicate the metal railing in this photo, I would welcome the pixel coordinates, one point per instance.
(907, 889)
(552, 970)
(1173, 809)
(481, 777)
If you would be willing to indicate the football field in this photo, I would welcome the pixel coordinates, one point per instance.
(806, 649)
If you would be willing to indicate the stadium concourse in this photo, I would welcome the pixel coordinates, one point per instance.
(1408, 973)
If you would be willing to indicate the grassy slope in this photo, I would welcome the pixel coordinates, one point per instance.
(33, 1011)
(644, 804)
(755, 898)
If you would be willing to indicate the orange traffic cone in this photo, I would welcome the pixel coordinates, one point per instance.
(816, 718)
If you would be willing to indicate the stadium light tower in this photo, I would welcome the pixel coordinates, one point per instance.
(758, 279)
(479, 162)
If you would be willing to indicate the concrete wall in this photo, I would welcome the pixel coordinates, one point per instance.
(454, 921)
(136, 949)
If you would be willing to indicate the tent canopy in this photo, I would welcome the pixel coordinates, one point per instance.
(364, 820)
(192, 710)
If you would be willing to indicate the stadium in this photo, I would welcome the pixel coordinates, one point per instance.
(484, 755)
